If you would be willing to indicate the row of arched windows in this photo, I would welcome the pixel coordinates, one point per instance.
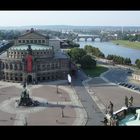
(51, 76)
(12, 66)
(48, 66)
(18, 54)
(31, 41)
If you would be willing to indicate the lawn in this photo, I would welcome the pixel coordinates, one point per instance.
(95, 72)
(126, 43)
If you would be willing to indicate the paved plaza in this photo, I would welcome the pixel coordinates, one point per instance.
(102, 91)
(62, 104)
(59, 105)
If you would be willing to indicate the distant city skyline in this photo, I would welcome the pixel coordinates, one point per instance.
(75, 18)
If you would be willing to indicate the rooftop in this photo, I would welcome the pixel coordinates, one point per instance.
(60, 54)
(33, 47)
(3, 55)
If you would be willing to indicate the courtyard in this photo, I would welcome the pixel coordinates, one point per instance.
(59, 105)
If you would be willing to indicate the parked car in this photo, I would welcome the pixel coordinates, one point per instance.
(129, 86)
(133, 86)
(126, 84)
(136, 88)
(122, 84)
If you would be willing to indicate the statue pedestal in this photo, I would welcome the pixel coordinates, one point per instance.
(25, 100)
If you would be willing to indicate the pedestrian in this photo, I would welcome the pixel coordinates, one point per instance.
(110, 108)
(126, 101)
(105, 121)
(131, 101)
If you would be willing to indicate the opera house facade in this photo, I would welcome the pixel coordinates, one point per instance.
(31, 59)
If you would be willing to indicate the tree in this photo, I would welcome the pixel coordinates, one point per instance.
(76, 54)
(109, 57)
(88, 48)
(119, 59)
(87, 62)
(72, 44)
(127, 61)
(94, 51)
(137, 60)
(138, 63)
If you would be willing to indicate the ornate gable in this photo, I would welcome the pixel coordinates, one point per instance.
(32, 35)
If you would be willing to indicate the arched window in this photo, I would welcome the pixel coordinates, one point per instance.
(52, 66)
(38, 67)
(6, 66)
(3, 65)
(20, 66)
(21, 78)
(15, 66)
(11, 67)
(44, 67)
(39, 41)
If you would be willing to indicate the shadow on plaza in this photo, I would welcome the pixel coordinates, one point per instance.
(3, 120)
(58, 105)
(103, 85)
(95, 82)
(56, 82)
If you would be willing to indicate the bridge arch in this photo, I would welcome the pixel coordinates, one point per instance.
(86, 37)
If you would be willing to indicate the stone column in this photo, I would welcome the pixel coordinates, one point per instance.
(93, 38)
(13, 66)
(78, 39)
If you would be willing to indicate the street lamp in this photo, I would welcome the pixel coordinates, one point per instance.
(26, 121)
(57, 89)
(62, 112)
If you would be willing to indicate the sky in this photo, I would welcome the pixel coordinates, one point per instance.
(78, 18)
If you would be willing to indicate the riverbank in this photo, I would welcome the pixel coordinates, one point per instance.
(128, 44)
(95, 72)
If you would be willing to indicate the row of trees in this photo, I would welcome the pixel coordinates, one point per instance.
(131, 37)
(94, 51)
(137, 62)
(85, 57)
(119, 59)
(8, 35)
(80, 56)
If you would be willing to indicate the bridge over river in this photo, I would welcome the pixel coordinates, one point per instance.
(93, 37)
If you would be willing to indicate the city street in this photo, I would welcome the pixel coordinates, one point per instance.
(95, 116)
(117, 75)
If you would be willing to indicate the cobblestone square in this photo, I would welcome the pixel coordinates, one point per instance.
(62, 108)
